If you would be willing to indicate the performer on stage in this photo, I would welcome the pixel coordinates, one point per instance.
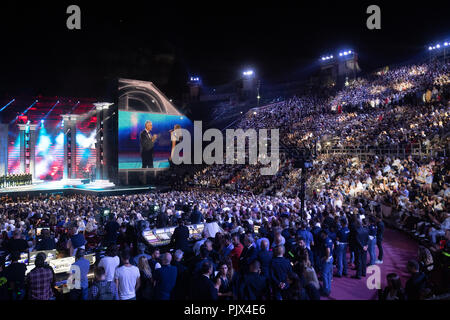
(175, 136)
(147, 142)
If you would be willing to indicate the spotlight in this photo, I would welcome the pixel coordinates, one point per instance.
(445, 44)
(438, 46)
(430, 48)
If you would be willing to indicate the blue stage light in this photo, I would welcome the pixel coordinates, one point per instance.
(7, 105)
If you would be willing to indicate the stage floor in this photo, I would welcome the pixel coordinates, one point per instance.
(75, 186)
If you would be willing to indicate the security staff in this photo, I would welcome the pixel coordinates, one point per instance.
(326, 259)
(380, 233)
(315, 230)
(341, 248)
(372, 239)
(305, 234)
(361, 245)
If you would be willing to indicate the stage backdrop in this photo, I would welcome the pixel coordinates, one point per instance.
(131, 124)
(50, 149)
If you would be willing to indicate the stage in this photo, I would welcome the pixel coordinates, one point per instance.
(75, 186)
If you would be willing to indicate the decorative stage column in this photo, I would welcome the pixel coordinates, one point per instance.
(102, 140)
(70, 145)
(32, 150)
(27, 136)
(3, 149)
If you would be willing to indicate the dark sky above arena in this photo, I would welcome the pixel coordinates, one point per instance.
(166, 42)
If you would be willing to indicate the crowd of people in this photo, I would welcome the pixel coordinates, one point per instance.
(258, 243)
(13, 180)
(261, 247)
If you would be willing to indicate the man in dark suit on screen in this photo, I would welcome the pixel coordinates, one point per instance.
(147, 142)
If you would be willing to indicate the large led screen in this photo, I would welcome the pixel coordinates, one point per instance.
(131, 136)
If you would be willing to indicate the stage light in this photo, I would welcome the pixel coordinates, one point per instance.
(350, 52)
(248, 73)
(438, 46)
(48, 113)
(445, 44)
(430, 48)
(340, 54)
(42, 121)
(7, 105)
(60, 139)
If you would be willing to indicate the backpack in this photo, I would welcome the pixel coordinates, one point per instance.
(105, 291)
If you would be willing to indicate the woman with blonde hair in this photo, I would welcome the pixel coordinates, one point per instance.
(145, 291)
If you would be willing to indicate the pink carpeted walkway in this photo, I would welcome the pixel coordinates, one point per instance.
(398, 249)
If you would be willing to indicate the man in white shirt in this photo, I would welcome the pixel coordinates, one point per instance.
(110, 262)
(127, 278)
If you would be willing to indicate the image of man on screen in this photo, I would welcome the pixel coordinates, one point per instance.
(147, 142)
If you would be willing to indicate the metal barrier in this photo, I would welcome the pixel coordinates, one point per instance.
(415, 150)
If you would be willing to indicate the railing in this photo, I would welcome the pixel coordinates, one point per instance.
(414, 150)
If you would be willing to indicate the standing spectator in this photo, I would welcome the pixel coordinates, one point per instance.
(361, 242)
(204, 288)
(326, 257)
(111, 230)
(102, 289)
(140, 253)
(295, 290)
(253, 285)
(47, 241)
(264, 256)
(145, 291)
(196, 216)
(415, 285)
(248, 254)
(165, 278)
(76, 241)
(380, 233)
(154, 260)
(110, 262)
(180, 236)
(224, 281)
(41, 280)
(227, 248)
(15, 274)
(341, 249)
(236, 252)
(372, 240)
(279, 269)
(394, 290)
(4, 295)
(80, 271)
(17, 243)
(127, 278)
(180, 292)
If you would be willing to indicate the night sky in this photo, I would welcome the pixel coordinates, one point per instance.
(215, 40)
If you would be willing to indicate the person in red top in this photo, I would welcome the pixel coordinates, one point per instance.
(236, 252)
